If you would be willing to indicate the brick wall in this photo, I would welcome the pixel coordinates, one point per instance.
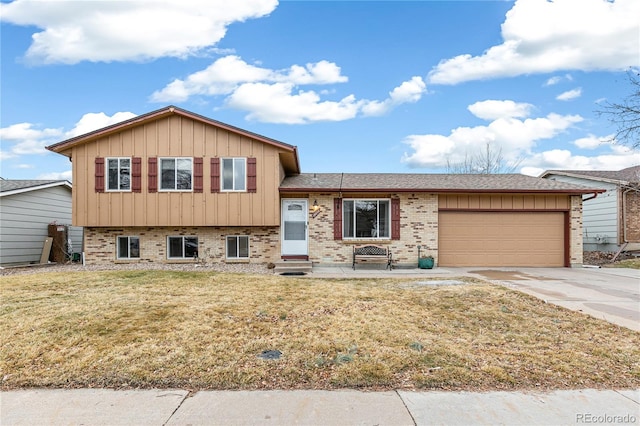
(418, 226)
(632, 216)
(100, 243)
(575, 232)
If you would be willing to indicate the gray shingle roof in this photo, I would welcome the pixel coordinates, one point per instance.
(628, 175)
(7, 185)
(400, 182)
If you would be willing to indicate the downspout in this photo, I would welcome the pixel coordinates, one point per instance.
(624, 215)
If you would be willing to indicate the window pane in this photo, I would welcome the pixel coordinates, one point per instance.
(347, 219)
(232, 247)
(134, 247)
(243, 250)
(294, 231)
(383, 219)
(167, 174)
(366, 219)
(239, 174)
(113, 174)
(184, 173)
(123, 247)
(175, 247)
(190, 247)
(227, 174)
(125, 180)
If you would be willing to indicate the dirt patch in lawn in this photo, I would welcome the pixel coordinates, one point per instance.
(208, 330)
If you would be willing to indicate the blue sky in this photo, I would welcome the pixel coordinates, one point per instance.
(358, 86)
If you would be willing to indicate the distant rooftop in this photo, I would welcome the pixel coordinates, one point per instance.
(628, 175)
(23, 185)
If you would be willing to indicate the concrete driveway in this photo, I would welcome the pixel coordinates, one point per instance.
(612, 294)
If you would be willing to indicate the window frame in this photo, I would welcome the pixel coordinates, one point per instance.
(129, 238)
(388, 219)
(233, 174)
(237, 238)
(183, 238)
(108, 180)
(175, 178)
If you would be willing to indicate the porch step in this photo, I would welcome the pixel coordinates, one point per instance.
(293, 267)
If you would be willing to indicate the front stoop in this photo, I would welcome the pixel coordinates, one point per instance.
(293, 267)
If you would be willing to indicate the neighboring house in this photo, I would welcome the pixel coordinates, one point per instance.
(612, 218)
(171, 186)
(27, 208)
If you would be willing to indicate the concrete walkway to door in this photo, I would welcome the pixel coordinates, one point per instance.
(612, 294)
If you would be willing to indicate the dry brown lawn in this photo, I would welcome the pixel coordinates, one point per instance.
(198, 330)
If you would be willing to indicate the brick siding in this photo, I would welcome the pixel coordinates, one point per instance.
(632, 216)
(418, 226)
(100, 244)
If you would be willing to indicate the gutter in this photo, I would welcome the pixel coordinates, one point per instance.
(595, 194)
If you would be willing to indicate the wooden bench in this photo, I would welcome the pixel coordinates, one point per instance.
(372, 253)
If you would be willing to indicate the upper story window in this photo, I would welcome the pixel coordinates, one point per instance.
(119, 174)
(176, 174)
(366, 219)
(234, 174)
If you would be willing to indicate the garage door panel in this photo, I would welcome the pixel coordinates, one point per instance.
(501, 239)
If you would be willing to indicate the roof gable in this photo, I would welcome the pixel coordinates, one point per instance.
(11, 187)
(290, 157)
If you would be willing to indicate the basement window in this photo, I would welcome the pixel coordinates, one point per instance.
(128, 248)
(237, 247)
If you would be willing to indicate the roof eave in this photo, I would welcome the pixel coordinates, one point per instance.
(586, 177)
(446, 190)
(64, 183)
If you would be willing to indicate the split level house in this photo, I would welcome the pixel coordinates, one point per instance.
(173, 186)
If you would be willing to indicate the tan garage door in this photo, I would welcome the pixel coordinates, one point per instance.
(501, 239)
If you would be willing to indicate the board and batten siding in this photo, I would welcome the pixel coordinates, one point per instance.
(600, 218)
(25, 218)
(176, 136)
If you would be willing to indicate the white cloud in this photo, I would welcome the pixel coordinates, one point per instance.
(275, 96)
(492, 109)
(75, 31)
(548, 36)
(563, 159)
(593, 142)
(570, 94)
(56, 176)
(552, 81)
(408, 92)
(226, 74)
(26, 138)
(94, 121)
(515, 137)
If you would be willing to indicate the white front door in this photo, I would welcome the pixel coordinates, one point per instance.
(294, 227)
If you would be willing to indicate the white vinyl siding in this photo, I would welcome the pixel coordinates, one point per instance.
(25, 218)
(600, 215)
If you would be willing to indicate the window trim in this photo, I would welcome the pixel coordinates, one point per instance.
(222, 188)
(182, 237)
(160, 188)
(107, 188)
(389, 219)
(128, 237)
(237, 237)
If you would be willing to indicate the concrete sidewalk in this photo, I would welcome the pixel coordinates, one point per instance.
(345, 407)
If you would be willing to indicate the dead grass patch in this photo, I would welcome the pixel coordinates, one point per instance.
(200, 330)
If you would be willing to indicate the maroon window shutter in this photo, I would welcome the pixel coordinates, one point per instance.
(395, 218)
(153, 174)
(99, 174)
(136, 174)
(215, 174)
(337, 218)
(197, 174)
(252, 172)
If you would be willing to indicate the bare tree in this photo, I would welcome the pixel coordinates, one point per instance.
(489, 161)
(625, 115)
